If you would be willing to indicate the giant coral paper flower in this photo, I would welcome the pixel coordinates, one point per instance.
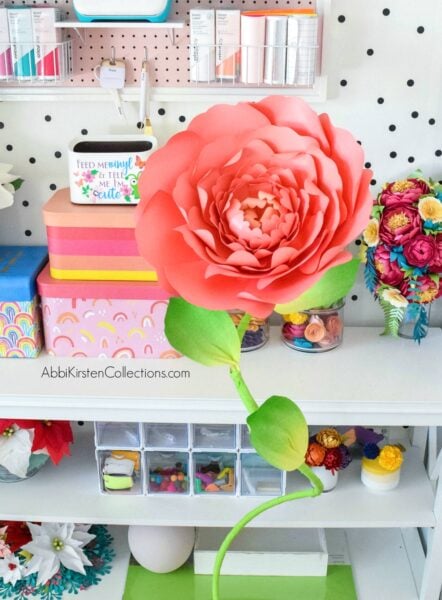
(252, 204)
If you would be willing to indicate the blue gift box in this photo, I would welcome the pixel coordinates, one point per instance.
(20, 321)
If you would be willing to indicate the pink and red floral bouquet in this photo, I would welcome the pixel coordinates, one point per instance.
(403, 244)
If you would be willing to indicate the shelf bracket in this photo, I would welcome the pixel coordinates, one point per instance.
(79, 33)
(171, 35)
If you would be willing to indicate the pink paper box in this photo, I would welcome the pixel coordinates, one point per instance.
(105, 319)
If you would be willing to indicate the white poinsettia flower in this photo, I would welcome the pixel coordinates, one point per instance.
(15, 451)
(6, 188)
(53, 545)
(11, 570)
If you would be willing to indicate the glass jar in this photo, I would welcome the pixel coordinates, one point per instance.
(411, 318)
(257, 332)
(314, 330)
(36, 462)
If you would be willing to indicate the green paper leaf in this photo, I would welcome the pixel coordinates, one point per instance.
(393, 317)
(334, 285)
(279, 433)
(206, 336)
(17, 183)
(377, 211)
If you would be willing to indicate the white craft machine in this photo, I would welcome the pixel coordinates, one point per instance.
(154, 11)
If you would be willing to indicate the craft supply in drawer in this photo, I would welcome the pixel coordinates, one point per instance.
(106, 170)
(120, 471)
(111, 319)
(93, 242)
(20, 319)
(214, 473)
(168, 472)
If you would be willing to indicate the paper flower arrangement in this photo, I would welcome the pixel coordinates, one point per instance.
(403, 244)
(249, 209)
(9, 184)
(329, 449)
(51, 559)
(26, 445)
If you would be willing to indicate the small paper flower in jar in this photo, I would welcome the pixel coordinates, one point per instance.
(329, 438)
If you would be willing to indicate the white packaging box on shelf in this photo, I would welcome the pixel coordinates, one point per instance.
(269, 552)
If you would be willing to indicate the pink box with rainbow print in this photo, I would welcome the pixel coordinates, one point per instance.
(104, 319)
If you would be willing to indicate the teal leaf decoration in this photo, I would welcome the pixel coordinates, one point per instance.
(370, 273)
(279, 433)
(421, 325)
(206, 336)
(393, 317)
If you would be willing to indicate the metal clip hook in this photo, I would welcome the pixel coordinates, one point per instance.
(112, 60)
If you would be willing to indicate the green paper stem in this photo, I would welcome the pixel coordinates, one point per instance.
(243, 324)
(243, 391)
(315, 490)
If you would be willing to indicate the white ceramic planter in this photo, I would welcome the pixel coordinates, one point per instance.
(329, 478)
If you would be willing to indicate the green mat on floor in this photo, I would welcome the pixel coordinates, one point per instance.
(184, 585)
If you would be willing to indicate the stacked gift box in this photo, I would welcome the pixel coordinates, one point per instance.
(99, 297)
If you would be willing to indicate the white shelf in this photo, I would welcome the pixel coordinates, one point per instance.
(118, 25)
(369, 380)
(112, 585)
(51, 93)
(70, 493)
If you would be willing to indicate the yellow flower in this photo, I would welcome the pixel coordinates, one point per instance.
(329, 438)
(430, 209)
(371, 233)
(394, 297)
(296, 318)
(390, 458)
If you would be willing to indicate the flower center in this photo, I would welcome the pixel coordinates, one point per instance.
(12, 567)
(258, 211)
(428, 296)
(397, 221)
(57, 544)
(8, 432)
(402, 186)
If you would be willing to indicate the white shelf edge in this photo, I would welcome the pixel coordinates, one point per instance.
(38, 93)
(118, 25)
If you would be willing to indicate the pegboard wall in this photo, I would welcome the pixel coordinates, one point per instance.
(169, 62)
(384, 85)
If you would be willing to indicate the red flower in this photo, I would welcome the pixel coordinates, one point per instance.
(54, 437)
(399, 224)
(403, 192)
(17, 534)
(333, 459)
(420, 251)
(21, 423)
(435, 265)
(389, 272)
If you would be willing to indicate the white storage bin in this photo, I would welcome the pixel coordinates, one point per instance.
(215, 473)
(167, 472)
(222, 437)
(120, 472)
(246, 444)
(166, 435)
(267, 552)
(117, 435)
(258, 478)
